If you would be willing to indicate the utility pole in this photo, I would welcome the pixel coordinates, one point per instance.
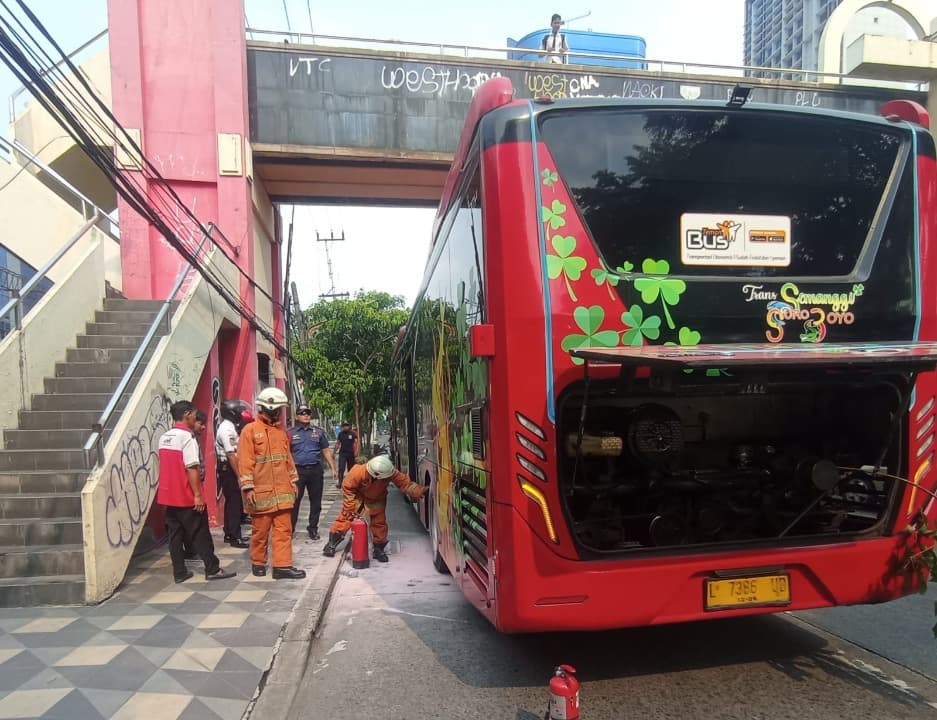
(328, 261)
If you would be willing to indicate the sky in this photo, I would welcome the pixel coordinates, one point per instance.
(385, 248)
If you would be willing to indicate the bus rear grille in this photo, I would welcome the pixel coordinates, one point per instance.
(473, 520)
(478, 440)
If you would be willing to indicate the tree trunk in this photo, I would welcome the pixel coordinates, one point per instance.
(361, 447)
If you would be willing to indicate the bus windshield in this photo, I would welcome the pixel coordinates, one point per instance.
(829, 183)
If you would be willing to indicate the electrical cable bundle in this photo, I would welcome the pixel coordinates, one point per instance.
(79, 110)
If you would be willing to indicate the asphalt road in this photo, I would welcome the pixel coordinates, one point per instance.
(399, 642)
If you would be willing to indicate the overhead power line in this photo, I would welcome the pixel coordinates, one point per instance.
(91, 124)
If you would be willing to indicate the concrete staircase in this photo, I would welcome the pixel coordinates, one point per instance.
(43, 467)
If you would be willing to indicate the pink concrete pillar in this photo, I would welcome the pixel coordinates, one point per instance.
(179, 77)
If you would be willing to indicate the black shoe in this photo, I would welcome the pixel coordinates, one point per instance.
(332, 545)
(182, 578)
(258, 570)
(379, 553)
(220, 574)
(313, 534)
(288, 573)
(238, 543)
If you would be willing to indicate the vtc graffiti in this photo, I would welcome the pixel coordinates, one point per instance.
(134, 476)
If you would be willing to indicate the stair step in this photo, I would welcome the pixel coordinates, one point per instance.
(109, 341)
(67, 385)
(132, 305)
(96, 328)
(60, 420)
(60, 402)
(102, 355)
(17, 561)
(19, 506)
(90, 369)
(42, 590)
(46, 459)
(41, 531)
(42, 481)
(45, 439)
(117, 316)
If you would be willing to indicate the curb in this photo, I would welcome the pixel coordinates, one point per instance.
(280, 681)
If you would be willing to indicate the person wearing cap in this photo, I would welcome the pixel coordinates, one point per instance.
(365, 487)
(346, 447)
(309, 445)
(267, 477)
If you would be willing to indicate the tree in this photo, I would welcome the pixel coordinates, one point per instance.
(347, 359)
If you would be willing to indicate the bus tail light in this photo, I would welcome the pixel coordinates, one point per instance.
(533, 492)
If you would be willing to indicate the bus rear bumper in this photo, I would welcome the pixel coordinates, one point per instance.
(537, 590)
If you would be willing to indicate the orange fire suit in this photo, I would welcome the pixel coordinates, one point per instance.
(361, 490)
(267, 468)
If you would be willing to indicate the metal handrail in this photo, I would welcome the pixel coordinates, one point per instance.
(22, 88)
(94, 443)
(464, 50)
(86, 202)
(15, 303)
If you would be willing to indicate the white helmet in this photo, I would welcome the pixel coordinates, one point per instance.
(380, 467)
(272, 398)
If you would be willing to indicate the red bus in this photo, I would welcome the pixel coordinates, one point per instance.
(672, 360)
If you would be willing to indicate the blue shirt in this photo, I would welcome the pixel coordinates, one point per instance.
(307, 443)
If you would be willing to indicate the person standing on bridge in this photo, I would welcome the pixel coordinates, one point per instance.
(554, 42)
(268, 477)
(365, 487)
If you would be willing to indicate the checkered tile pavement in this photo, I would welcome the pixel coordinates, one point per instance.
(155, 650)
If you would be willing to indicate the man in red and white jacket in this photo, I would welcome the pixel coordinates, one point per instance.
(180, 491)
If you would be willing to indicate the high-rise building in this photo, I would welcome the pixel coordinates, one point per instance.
(786, 33)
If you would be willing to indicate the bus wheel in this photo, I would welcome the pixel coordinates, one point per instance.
(438, 561)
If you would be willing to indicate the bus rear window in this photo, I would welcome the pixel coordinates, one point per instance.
(745, 193)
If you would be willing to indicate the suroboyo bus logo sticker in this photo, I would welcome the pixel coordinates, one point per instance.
(735, 240)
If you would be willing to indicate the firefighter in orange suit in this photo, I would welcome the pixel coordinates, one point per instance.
(268, 482)
(365, 486)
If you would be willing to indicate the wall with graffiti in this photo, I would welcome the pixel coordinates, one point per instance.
(119, 493)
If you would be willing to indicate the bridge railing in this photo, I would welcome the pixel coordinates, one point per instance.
(502, 53)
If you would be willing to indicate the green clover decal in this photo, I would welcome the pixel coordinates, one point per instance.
(858, 289)
(686, 337)
(564, 263)
(549, 177)
(553, 215)
(604, 276)
(641, 327)
(667, 289)
(625, 268)
(589, 321)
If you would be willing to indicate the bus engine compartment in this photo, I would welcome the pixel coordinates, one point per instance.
(723, 461)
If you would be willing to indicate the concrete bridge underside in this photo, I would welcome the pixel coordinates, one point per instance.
(339, 125)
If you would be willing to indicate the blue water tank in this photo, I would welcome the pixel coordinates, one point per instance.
(627, 47)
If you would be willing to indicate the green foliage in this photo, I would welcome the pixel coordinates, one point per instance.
(347, 359)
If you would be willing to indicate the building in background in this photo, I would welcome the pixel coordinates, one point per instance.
(786, 33)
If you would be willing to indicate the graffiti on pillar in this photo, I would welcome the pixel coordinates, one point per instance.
(432, 80)
(306, 65)
(174, 378)
(133, 477)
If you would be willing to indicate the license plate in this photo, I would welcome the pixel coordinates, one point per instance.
(747, 592)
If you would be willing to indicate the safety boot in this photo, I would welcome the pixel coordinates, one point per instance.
(332, 545)
(379, 553)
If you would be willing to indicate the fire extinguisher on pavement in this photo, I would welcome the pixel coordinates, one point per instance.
(359, 544)
(564, 694)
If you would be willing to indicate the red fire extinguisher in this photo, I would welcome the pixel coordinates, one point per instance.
(359, 544)
(564, 694)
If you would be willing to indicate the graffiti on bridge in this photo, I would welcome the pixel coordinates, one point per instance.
(134, 475)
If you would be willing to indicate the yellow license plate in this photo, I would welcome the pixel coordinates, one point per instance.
(747, 592)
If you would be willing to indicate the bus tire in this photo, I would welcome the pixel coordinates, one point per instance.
(438, 561)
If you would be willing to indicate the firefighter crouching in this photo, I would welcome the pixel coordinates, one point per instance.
(365, 486)
(268, 483)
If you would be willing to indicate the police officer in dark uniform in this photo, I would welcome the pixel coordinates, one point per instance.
(308, 445)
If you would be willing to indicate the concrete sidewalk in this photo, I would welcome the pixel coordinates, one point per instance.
(193, 651)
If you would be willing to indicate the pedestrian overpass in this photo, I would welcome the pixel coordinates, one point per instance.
(377, 126)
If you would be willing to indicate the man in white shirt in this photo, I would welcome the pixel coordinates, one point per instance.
(554, 43)
(226, 447)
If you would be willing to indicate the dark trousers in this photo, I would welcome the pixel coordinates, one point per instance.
(310, 478)
(233, 502)
(186, 523)
(346, 461)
